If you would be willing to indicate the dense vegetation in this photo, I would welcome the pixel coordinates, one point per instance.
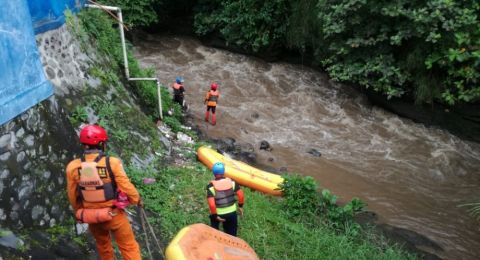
(427, 49)
(311, 223)
(136, 13)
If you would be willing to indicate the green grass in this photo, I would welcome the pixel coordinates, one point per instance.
(269, 230)
(178, 199)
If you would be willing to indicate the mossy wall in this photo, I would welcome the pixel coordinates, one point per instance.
(36, 145)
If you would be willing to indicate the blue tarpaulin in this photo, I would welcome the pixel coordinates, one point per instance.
(22, 80)
(48, 14)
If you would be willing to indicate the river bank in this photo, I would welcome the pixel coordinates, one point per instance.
(409, 240)
(177, 198)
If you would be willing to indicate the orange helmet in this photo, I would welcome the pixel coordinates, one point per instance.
(214, 86)
(93, 135)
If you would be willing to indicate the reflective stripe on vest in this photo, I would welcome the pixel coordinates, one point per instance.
(224, 193)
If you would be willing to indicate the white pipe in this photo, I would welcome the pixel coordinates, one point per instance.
(124, 50)
(111, 8)
(138, 79)
(159, 100)
(158, 92)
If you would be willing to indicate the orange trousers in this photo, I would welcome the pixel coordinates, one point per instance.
(122, 232)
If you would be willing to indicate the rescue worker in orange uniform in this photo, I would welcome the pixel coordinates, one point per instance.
(111, 177)
(221, 200)
(178, 91)
(211, 100)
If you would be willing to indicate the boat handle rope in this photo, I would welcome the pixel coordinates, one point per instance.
(232, 161)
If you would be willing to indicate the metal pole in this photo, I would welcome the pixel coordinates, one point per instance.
(159, 100)
(140, 79)
(111, 8)
(158, 92)
(124, 50)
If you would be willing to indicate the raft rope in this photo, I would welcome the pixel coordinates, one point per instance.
(144, 220)
(235, 164)
(232, 161)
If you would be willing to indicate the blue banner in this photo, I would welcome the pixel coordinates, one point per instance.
(48, 14)
(22, 80)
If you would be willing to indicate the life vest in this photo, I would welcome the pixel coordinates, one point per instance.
(177, 89)
(224, 193)
(91, 186)
(212, 98)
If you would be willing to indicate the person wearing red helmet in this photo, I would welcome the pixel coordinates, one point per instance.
(93, 184)
(211, 100)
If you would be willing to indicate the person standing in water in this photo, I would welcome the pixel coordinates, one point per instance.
(178, 91)
(211, 100)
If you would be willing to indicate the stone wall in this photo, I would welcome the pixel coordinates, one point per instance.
(33, 149)
(65, 63)
(36, 145)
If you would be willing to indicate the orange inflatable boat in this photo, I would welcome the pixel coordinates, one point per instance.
(241, 172)
(199, 241)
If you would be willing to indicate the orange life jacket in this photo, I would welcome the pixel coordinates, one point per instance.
(91, 186)
(212, 98)
(177, 89)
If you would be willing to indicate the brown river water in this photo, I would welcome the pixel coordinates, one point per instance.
(414, 177)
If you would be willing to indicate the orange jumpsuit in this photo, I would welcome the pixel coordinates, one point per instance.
(119, 226)
(211, 99)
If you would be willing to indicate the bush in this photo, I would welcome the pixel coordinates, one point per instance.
(135, 12)
(427, 49)
(301, 199)
(78, 116)
(341, 217)
(300, 195)
(173, 123)
(251, 25)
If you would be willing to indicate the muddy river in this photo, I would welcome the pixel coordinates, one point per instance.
(414, 177)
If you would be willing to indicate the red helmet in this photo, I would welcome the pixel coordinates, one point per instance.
(214, 86)
(93, 135)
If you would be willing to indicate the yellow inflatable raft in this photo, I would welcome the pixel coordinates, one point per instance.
(242, 173)
(199, 241)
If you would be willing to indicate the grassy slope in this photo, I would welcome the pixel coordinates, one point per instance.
(178, 199)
